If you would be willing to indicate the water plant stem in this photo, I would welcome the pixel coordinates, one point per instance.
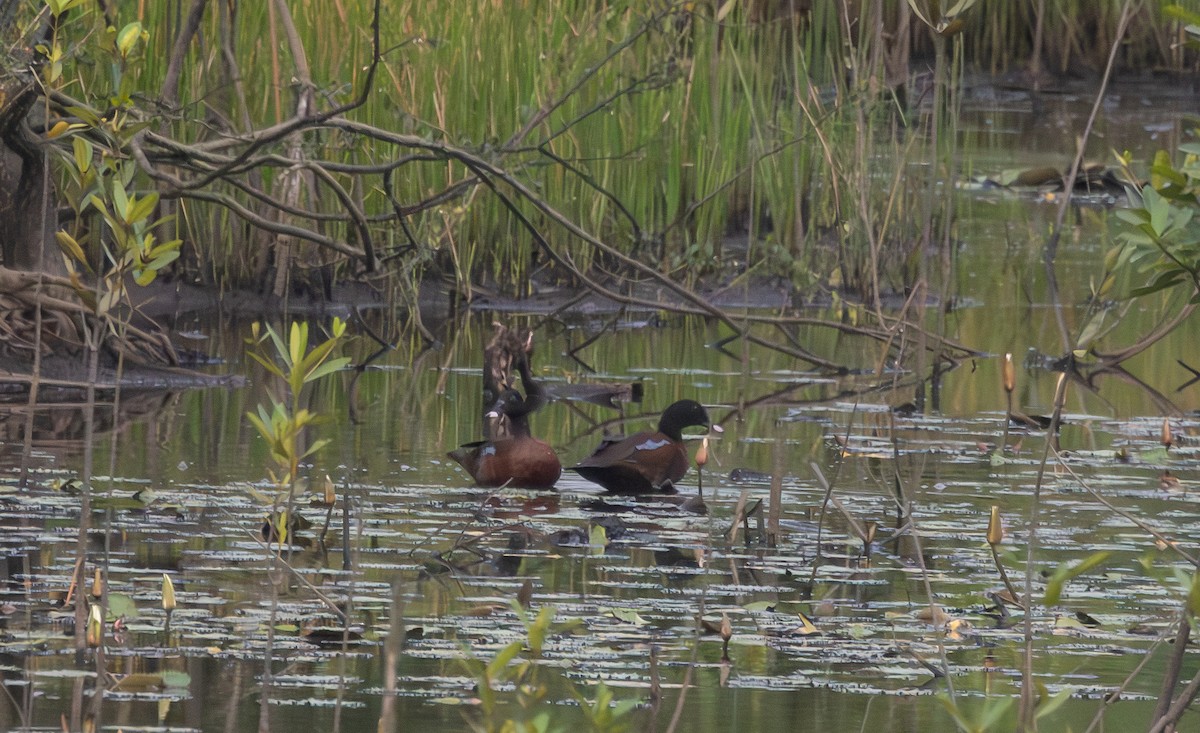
(1027, 709)
(1022, 601)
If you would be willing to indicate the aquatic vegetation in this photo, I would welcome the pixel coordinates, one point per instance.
(857, 544)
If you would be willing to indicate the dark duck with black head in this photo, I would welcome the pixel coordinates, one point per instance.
(649, 462)
(511, 456)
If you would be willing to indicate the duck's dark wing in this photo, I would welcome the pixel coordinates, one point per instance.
(641, 463)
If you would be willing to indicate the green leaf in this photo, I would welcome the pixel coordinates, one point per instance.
(1066, 572)
(951, 707)
(98, 203)
(539, 628)
(162, 260)
(141, 209)
(174, 678)
(267, 364)
(297, 341)
(917, 10)
(1182, 14)
(280, 348)
(502, 658)
(959, 8)
(329, 367)
(128, 38)
(1049, 705)
(1164, 280)
(120, 201)
(1134, 216)
(993, 712)
(1093, 328)
(82, 150)
(1163, 172)
(1157, 454)
(86, 114)
(1160, 211)
(316, 446)
(628, 615)
(761, 606)
(58, 7)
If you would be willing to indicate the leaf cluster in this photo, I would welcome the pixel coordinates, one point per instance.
(1163, 242)
(297, 363)
(515, 667)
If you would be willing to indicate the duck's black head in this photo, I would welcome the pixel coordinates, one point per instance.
(680, 415)
(510, 404)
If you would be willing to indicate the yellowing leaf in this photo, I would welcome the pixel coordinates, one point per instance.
(128, 38)
(598, 539)
(807, 627)
(71, 247)
(58, 129)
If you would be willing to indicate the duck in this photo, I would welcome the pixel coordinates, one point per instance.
(511, 456)
(648, 462)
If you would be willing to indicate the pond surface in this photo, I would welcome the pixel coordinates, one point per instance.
(821, 630)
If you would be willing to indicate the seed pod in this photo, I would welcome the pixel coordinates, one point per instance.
(97, 584)
(1166, 437)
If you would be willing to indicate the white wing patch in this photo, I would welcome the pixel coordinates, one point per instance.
(651, 444)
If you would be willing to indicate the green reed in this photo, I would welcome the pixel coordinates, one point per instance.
(662, 129)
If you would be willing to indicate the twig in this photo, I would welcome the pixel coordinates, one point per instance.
(1113, 696)
(329, 603)
(1166, 541)
(1027, 710)
(1161, 716)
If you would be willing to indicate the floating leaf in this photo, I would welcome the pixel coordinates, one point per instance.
(627, 615)
(121, 605)
(1068, 622)
(1158, 454)
(140, 682)
(760, 606)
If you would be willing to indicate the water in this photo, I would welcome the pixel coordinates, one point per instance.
(458, 556)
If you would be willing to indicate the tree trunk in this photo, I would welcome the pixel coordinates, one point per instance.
(27, 201)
